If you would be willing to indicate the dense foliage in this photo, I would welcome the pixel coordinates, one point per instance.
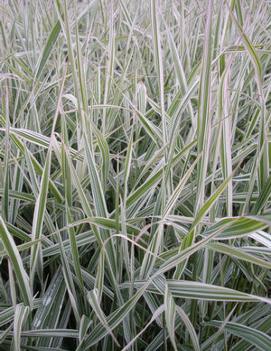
(135, 175)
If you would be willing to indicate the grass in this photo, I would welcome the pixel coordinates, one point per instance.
(135, 175)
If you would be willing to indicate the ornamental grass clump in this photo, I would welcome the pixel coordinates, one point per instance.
(135, 175)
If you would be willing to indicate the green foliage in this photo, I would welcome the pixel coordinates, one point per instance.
(135, 184)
